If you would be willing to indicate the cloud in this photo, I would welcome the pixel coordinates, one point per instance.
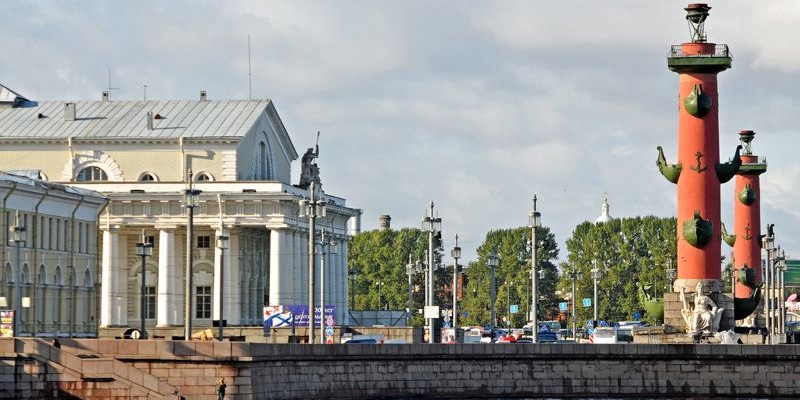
(474, 105)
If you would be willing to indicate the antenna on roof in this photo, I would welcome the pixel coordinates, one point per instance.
(249, 72)
(110, 88)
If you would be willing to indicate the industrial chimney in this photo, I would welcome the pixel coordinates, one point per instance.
(385, 222)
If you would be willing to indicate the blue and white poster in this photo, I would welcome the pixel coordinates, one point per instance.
(295, 315)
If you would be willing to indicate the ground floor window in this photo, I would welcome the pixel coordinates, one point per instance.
(150, 302)
(203, 302)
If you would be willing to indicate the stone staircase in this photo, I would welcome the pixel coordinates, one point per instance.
(71, 371)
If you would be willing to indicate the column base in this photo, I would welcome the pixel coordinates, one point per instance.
(690, 285)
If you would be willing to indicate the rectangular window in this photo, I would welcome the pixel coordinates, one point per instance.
(67, 236)
(150, 302)
(50, 234)
(203, 302)
(80, 237)
(203, 242)
(58, 234)
(41, 233)
(150, 239)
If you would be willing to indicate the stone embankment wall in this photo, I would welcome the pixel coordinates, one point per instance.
(359, 371)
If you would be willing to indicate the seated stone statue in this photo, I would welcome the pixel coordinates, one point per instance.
(704, 315)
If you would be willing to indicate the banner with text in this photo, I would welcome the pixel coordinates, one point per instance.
(296, 315)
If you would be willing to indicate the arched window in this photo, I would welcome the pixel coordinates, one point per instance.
(92, 174)
(262, 161)
(41, 278)
(57, 277)
(87, 278)
(203, 176)
(148, 177)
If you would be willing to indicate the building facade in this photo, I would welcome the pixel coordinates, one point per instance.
(143, 156)
(50, 272)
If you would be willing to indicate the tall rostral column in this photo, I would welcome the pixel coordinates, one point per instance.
(747, 219)
(698, 173)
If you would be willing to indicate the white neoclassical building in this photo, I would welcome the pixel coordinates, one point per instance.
(141, 155)
(50, 271)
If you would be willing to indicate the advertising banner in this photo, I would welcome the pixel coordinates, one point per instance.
(6, 323)
(296, 315)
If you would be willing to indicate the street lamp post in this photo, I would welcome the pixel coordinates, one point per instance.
(144, 249)
(780, 268)
(18, 235)
(332, 248)
(353, 277)
(534, 221)
(769, 247)
(313, 209)
(596, 277)
(410, 271)
(222, 245)
(509, 284)
(574, 276)
(456, 253)
(380, 287)
(432, 225)
(492, 263)
(191, 198)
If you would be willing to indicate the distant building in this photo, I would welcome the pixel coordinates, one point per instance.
(140, 155)
(58, 263)
(605, 216)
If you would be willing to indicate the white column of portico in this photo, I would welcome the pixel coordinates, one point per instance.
(113, 302)
(222, 280)
(281, 263)
(342, 279)
(297, 270)
(170, 279)
(303, 258)
(233, 278)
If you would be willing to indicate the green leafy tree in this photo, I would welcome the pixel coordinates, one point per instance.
(628, 252)
(512, 277)
(379, 259)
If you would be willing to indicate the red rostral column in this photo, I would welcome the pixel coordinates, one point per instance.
(698, 173)
(747, 219)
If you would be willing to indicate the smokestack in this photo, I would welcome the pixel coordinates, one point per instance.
(105, 95)
(149, 120)
(385, 222)
(202, 95)
(69, 111)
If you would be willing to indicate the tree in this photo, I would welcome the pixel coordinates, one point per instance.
(381, 256)
(628, 252)
(514, 266)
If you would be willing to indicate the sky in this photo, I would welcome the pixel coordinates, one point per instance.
(474, 105)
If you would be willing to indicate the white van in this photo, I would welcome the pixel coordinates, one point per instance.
(612, 335)
(473, 335)
(604, 335)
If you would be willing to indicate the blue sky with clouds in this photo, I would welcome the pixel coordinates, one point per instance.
(475, 105)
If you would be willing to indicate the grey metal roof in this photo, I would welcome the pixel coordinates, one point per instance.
(128, 119)
(8, 177)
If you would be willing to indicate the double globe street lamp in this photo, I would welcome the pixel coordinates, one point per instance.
(432, 225)
(534, 221)
(191, 200)
(18, 235)
(492, 262)
(311, 208)
(456, 254)
(144, 249)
